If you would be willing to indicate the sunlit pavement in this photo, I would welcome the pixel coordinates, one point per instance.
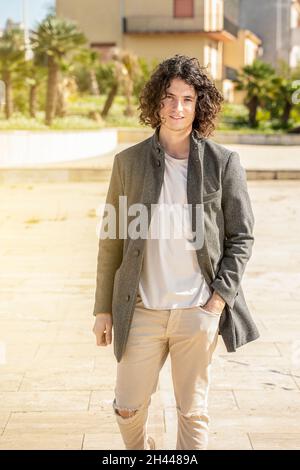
(56, 385)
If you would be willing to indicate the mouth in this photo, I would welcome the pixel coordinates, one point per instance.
(176, 118)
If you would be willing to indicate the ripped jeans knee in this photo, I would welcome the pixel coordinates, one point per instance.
(124, 412)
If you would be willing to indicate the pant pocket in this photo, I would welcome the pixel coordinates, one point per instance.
(209, 323)
(216, 314)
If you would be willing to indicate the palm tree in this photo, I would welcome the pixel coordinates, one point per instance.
(57, 39)
(284, 87)
(118, 72)
(34, 73)
(12, 55)
(282, 96)
(126, 70)
(90, 60)
(280, 99)
(133, 69)
(66, 87)
(255, 79)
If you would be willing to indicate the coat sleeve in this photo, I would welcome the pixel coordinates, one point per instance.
(238, 225)
(110, 250)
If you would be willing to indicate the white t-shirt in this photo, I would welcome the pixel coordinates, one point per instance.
(171, 277)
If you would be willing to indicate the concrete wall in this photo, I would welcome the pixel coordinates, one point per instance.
(157, 7)
(232, 10)
(163, 46)
(100, 20)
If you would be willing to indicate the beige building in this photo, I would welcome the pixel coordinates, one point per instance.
(159, 29)
(243, 51)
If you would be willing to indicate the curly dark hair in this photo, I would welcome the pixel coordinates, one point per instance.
(209, 98)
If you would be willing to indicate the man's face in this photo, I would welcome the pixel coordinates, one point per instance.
(178, 108)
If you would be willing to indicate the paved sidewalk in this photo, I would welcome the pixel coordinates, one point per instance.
(56, 385)
(253, 157)
(262, 162)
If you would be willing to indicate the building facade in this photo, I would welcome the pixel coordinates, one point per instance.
(159, 29)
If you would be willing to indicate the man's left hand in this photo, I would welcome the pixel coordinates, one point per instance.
(215, 304)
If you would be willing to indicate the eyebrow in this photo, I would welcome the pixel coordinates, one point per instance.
(185, 96)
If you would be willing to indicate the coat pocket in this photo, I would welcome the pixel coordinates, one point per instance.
(212, 196)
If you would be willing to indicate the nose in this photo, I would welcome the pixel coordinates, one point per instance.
(178, 105)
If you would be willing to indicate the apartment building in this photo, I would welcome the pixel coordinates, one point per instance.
(159, 29)
(277, 23)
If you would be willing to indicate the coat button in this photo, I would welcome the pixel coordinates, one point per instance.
(128, 298)
(137, 252)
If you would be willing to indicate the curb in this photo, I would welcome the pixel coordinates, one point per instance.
(135, 135)
(63, 175)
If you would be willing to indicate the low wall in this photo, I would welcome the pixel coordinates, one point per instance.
(27, 148)
(21, 149)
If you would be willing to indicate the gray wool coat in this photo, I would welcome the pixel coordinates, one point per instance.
(216, 179)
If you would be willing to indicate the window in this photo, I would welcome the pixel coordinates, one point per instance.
(211, 60)
(295, 56)
(250, 51)
(183, 8)
(213, 15)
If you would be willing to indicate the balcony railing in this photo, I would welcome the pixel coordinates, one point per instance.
(230, 27)
(165, 24)
(169, 24)
(162, 24)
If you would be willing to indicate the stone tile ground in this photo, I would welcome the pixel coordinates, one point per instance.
(56, 386)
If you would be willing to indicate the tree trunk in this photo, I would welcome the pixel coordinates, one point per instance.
(252, 106)
(33, 100)
(110, 99)
(129, 110)
(61, 104)
(286, 113)
(8, 94)
(51, 90)
(94, 87)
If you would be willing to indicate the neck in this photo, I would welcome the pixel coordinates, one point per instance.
(176, 144)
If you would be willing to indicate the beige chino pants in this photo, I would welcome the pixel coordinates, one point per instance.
(190, 336)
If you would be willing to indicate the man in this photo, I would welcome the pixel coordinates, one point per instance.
(174, 295)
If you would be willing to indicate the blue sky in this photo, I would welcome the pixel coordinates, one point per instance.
(36, 10)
